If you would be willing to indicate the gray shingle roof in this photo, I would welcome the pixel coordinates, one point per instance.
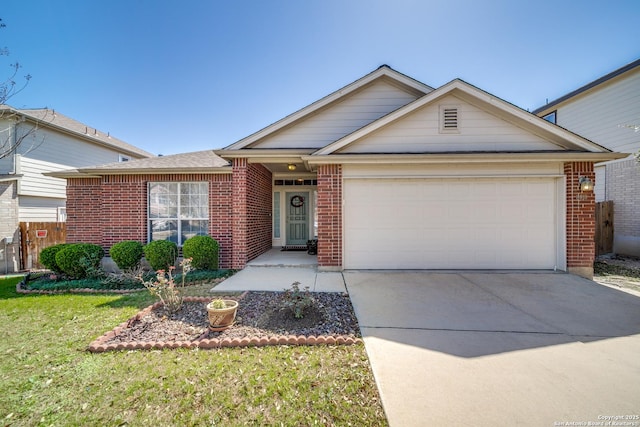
(197, 161)
(53, 119)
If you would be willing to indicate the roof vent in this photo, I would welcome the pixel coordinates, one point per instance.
(449, 119)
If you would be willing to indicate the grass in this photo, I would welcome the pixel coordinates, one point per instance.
(47, 377)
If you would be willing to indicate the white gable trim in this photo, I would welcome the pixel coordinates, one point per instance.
(471, 94)
(383, 71)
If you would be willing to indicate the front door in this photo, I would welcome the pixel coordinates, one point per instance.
(297, 218)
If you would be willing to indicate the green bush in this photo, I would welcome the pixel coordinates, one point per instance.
(127, 254)
(161, 254)
(204, 252)
(80, 260)
(48, 257)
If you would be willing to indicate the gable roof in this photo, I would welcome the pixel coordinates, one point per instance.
(44, 117)
(482, 99)
(382, 72)
(195, 162)
(588, 86)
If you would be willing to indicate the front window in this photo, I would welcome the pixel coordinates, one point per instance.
(178, 210)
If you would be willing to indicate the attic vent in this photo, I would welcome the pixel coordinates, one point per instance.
(449, 119)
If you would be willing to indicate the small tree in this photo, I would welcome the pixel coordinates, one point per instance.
(10, 87)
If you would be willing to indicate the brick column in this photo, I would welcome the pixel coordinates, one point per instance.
(580, 220)
(84, 210)
(239, 222)
(330, 217)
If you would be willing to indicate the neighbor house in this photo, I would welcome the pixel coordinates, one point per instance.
(386, 172)
(36, 141)
(607, 111)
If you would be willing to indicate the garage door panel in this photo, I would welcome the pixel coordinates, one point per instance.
(450, 223)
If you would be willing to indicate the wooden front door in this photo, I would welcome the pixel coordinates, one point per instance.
(297, 218)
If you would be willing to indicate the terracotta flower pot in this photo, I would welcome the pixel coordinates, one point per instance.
(221, 318)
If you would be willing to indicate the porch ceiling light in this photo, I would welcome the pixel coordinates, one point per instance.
(585, 184)
(291, 167)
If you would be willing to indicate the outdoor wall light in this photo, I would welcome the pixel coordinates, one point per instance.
(291, 167)
(585, 184)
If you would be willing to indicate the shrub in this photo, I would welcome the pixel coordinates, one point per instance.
(80, 260)
(127, 254)
(296, 301)
(48, 257)
(161, 254)
(204, 252)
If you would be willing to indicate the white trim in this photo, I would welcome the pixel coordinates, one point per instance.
(470, 94)
(383, 71)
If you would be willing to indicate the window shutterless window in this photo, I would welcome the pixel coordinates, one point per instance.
(178, 210)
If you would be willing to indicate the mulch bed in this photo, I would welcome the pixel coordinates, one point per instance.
(259, 322)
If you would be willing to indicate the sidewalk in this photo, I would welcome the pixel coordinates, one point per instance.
(276, 270)
(259, 278)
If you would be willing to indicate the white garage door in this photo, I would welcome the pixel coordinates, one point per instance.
(475, 223)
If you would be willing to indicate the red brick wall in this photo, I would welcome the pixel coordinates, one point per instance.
(252, 209)
(580, 216)
(124, 209)
(239, 221)
(111, 209)
(259, 200)
(329, 215)
(84, 214)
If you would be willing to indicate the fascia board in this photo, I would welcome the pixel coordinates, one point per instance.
(98, 173)
(477, 94)
(144, 171)
(267, 154)
(559, 156)
(323, 102)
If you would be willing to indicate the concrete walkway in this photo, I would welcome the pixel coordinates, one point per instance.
(488, 349)
(276, 271)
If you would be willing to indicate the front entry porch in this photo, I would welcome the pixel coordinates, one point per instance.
(276, 257)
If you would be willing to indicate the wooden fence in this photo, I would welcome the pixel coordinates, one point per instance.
(35, 236)
(604, 227)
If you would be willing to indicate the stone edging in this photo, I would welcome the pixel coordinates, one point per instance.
(99, 346)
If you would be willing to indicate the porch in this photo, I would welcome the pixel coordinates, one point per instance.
(276, 270)
(276, 257)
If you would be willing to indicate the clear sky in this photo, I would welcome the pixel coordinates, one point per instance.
(188, 75)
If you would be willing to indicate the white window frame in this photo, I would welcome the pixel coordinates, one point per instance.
(61, 215)
(180, 217)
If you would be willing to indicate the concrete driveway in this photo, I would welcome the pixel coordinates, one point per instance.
(488, 349)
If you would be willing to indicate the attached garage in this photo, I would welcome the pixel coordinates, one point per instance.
(453, 223)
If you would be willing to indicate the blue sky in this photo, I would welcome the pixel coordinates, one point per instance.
(187, 75)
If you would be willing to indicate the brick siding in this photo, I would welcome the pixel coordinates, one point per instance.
(329, 215)
(580, 217)
(111, 209)
(252, 209)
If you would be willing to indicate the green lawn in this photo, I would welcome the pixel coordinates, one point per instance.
(47, 377)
